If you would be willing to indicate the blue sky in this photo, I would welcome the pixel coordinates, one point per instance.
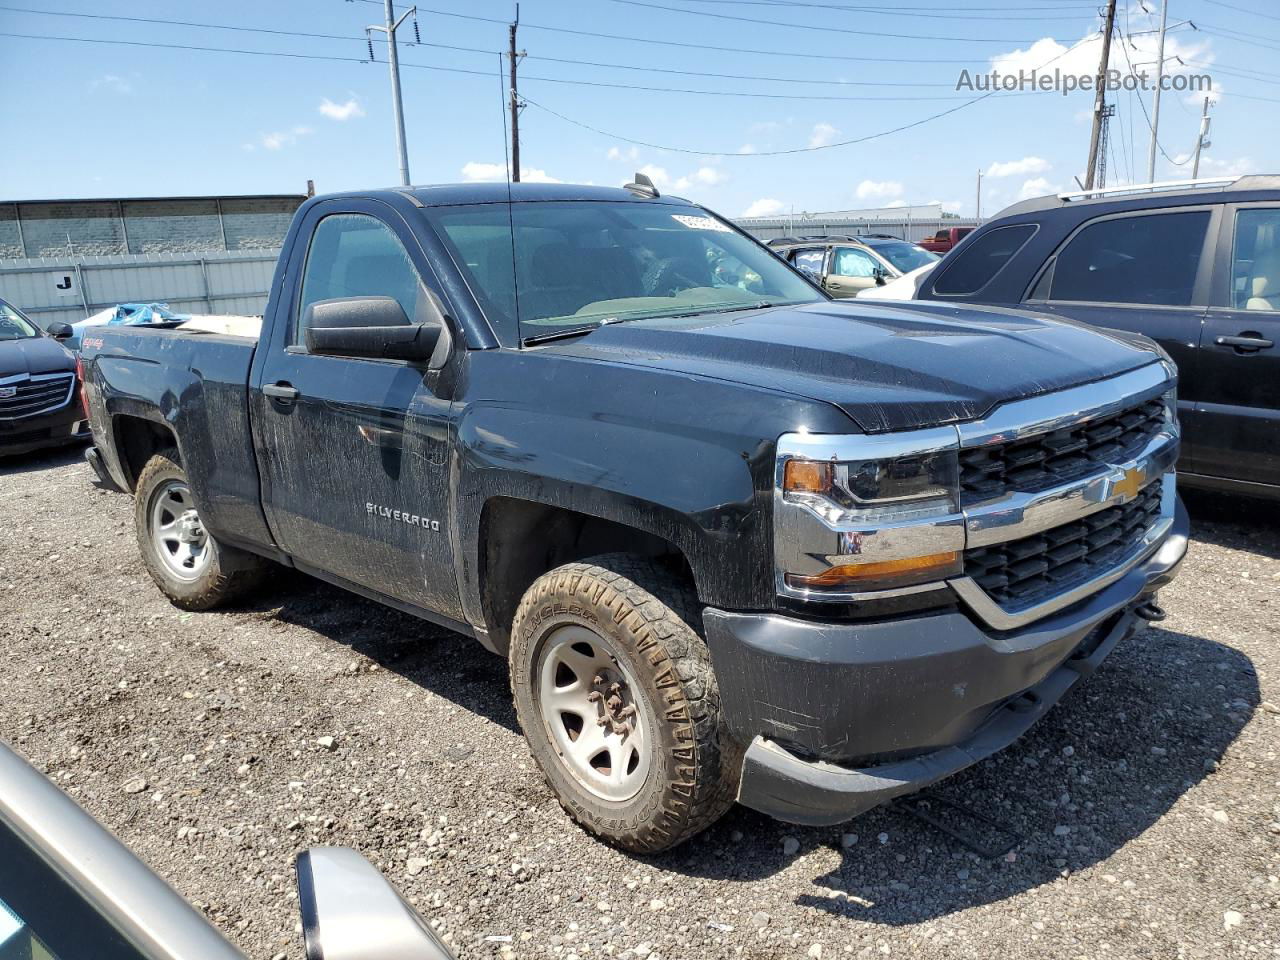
(102, 120)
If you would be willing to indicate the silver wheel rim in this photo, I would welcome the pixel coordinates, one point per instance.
(178, 536)
(594, 713)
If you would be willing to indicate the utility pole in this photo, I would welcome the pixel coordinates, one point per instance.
(393, 58)
(1100, 96)
(978, 206)
(1201, 141)
(515, 100)
(1155, 104)
(1108, 112)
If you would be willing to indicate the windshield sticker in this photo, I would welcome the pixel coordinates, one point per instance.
(701, 223)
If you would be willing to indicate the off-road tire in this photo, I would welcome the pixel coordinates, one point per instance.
(229, 573)
(654, 621)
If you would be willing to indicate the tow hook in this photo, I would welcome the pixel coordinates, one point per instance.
(1151, 611)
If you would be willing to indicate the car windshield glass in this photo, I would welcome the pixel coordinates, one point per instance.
(14, 326)
(905, 256)
(548, 267)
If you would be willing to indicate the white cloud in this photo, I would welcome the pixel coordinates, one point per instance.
(878, 190)
(823, 135)
(764, 207)
(1036, 187)
(1213, 167)
(620, 153)
(747, 148)
(476, 172)
(114, 83)
(1018, 168)
(1081, 60)
(341, 111)
(708, 176)
(279, 139)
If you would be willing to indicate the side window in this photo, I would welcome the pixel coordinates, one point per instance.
(975, 264)
(356, 255)
(1142, 259)
(809, 262)
(852, 262)
(1255, 260)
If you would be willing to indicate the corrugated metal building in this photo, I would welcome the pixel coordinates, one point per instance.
(61, 260)
(909, 222)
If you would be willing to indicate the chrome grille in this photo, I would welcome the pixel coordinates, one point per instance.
(34, 396)
(1021, 573)
(1039, 462)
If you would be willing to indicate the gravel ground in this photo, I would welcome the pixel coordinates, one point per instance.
(1147, 803)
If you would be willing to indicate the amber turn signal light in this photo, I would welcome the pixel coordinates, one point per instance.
(935, 565)
(807, 476)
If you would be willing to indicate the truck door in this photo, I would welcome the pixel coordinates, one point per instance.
(353, 452)
(1240, 351)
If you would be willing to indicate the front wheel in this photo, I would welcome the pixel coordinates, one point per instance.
(192, 569)
(614, 690)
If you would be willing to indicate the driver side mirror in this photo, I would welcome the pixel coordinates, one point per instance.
(350, 912)
(60, 331)
(374, 327)
(881, 275)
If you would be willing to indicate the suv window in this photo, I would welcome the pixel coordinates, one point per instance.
(978, 261)
(852, 262)
(14, 326)
(1255, 260)
(1151, 258)
(809, 262)
(356, 255)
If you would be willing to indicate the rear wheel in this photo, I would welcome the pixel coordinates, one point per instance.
(186, 562)
(614, 689)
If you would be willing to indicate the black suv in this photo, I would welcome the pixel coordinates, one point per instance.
(1195, 266)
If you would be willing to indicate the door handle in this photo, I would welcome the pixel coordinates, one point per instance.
(282, 393)
(1245, 344)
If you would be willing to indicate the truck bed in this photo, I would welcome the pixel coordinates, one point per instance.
(197, 383)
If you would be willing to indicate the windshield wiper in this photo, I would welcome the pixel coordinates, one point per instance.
(559, 334)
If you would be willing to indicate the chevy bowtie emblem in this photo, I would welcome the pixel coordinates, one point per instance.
(7, 392)
(1129, 483)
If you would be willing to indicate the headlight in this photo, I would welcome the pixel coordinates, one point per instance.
(863, 514)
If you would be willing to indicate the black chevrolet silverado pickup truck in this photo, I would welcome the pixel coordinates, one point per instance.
(737, 541)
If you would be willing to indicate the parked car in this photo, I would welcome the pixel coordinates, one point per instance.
(40, 403)
(1196, 266)
(945, 239)
(69, 889)
(844, 266)
(906, 287)
(735, 544)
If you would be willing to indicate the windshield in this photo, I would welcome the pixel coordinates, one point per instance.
(14, 326)
(905, 256)
(578, 264)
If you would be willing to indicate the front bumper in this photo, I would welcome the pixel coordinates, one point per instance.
(54, 429)
(840, 717)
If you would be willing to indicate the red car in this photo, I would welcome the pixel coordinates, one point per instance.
(944, 240)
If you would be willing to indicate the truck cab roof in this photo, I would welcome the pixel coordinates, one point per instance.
(453, 194)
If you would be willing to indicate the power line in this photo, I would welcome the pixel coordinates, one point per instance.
(701, 47)
(482, 73)
(823, 28)
(1232, 6)
(933, 13)
(484, 52)
(794, 150)
(761, 153)
(183, 23)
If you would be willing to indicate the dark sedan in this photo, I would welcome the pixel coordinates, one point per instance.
(40, 402)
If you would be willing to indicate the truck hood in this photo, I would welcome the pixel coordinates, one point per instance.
(34, 356)
(887, 367)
